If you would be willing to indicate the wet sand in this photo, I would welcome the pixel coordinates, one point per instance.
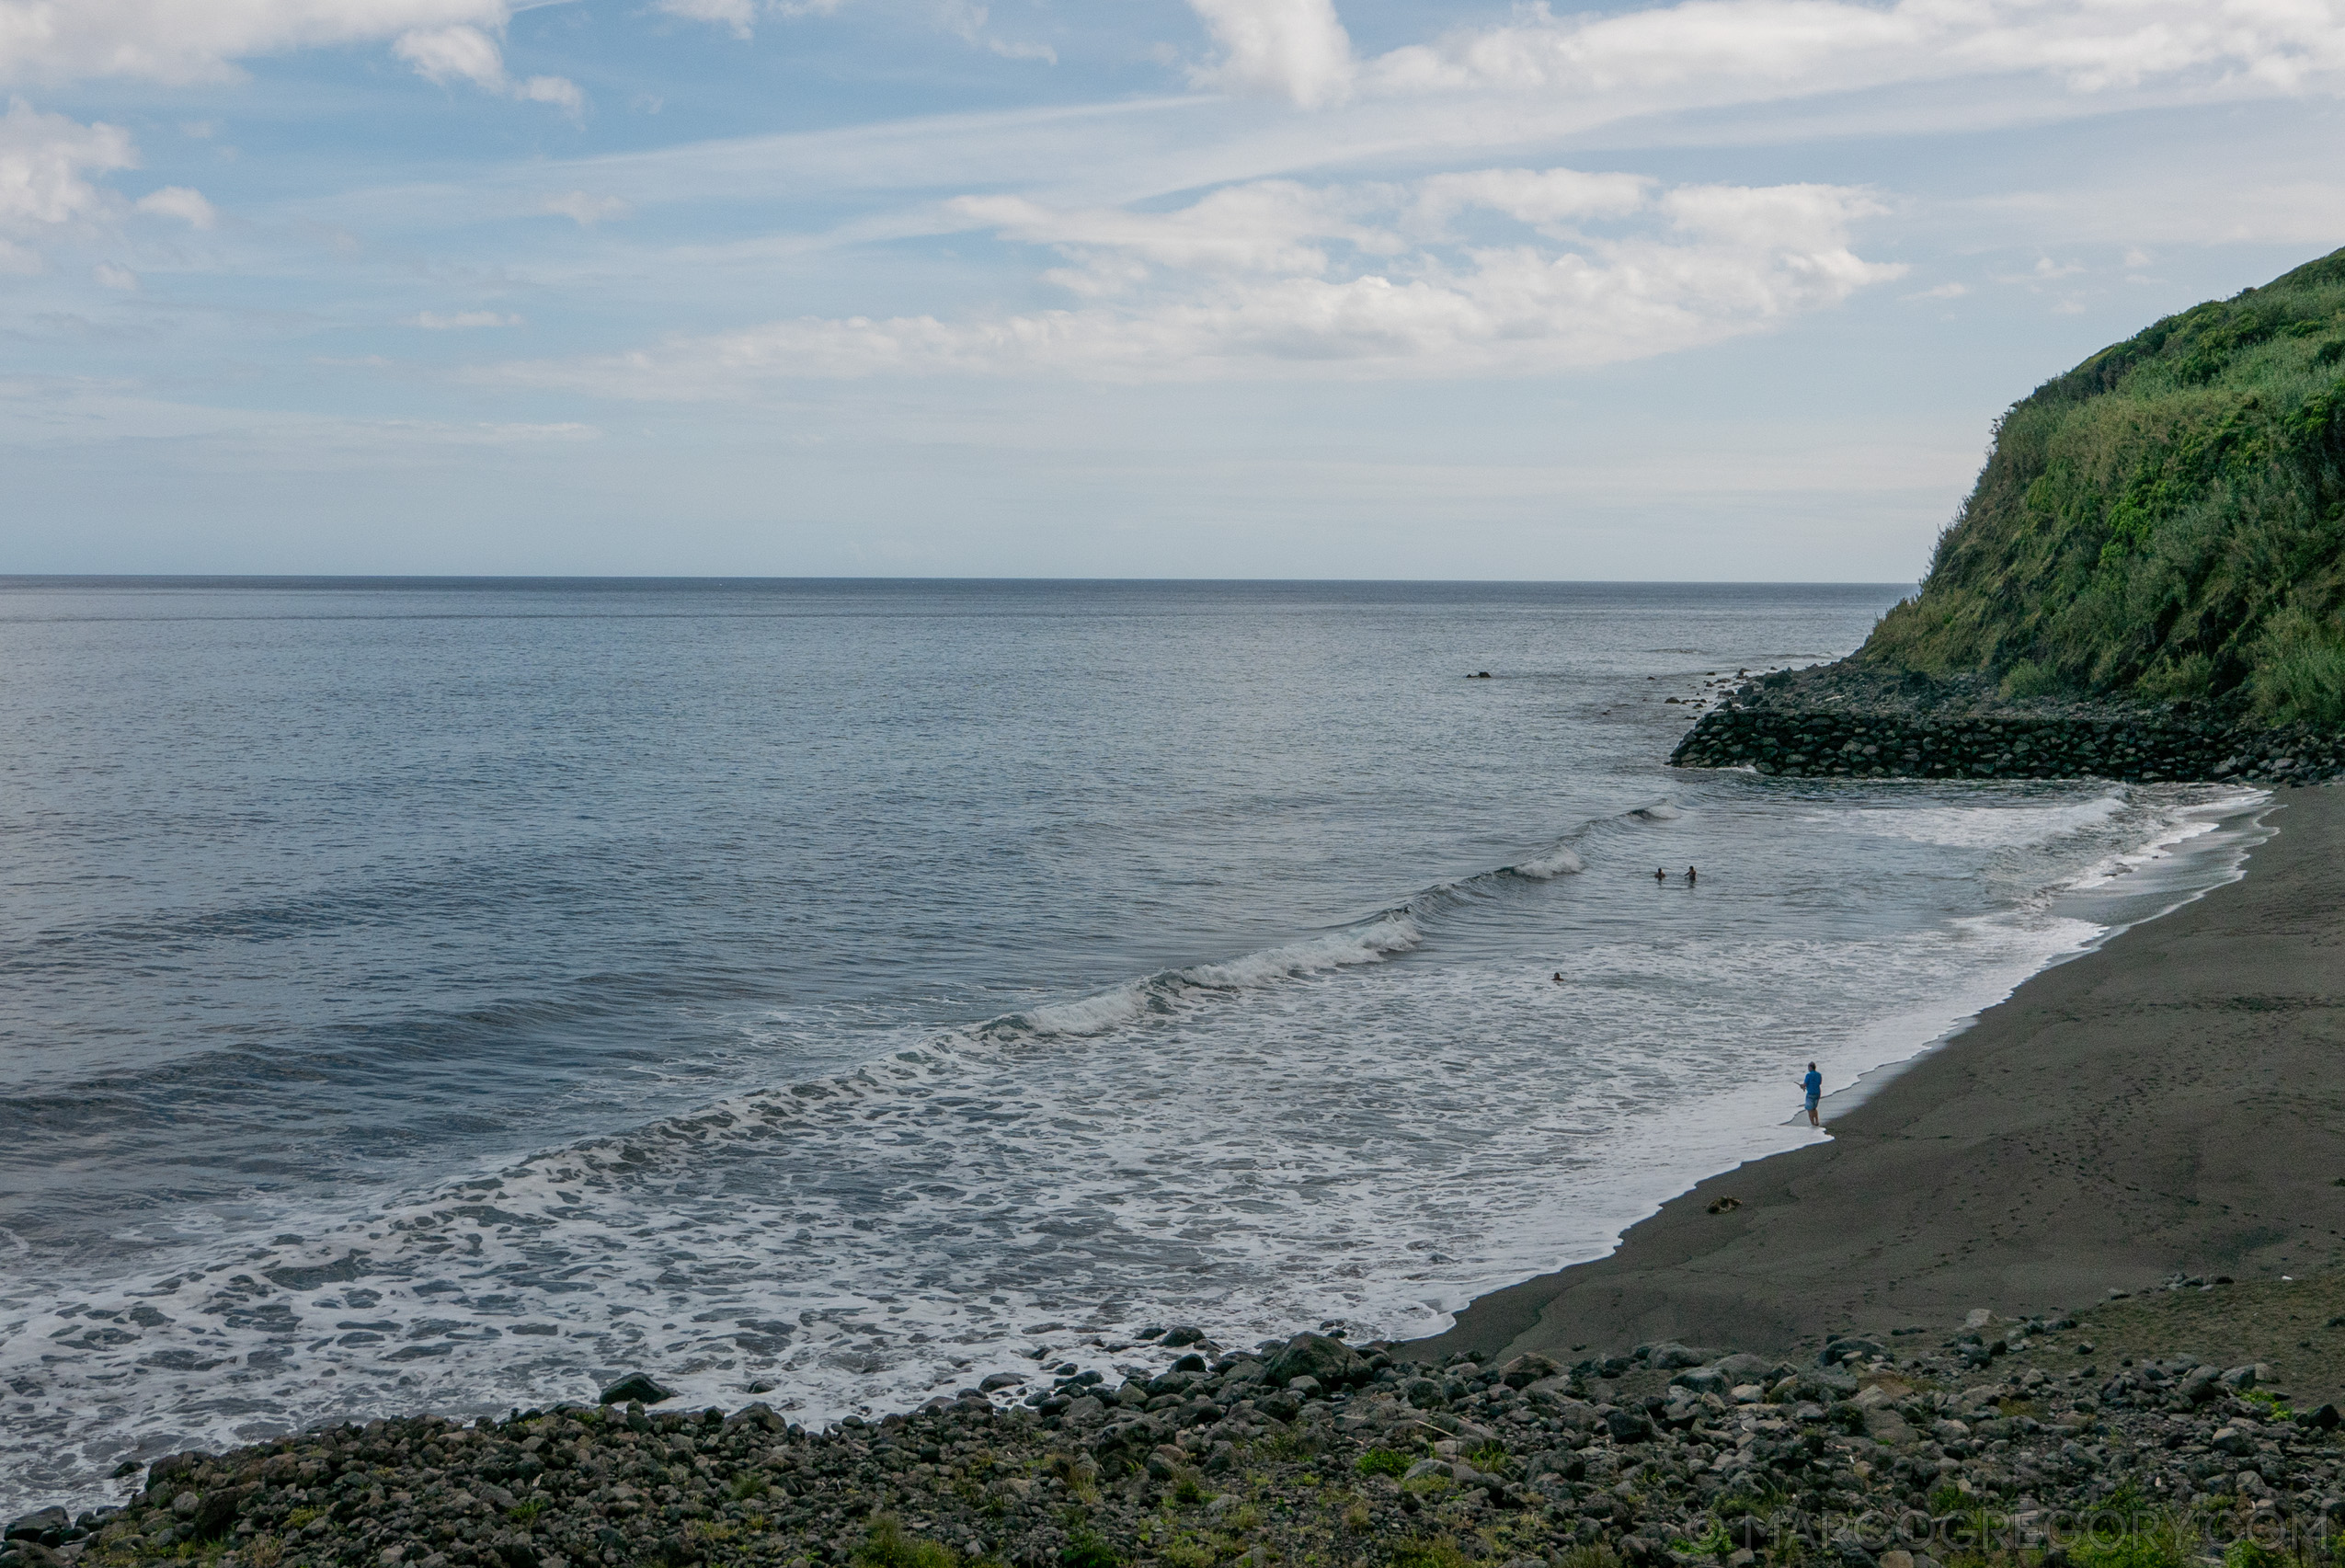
(2173, 1102)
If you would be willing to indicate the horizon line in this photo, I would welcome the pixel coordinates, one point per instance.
(11, 580)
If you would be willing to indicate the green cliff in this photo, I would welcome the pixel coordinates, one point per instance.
(2165, 520)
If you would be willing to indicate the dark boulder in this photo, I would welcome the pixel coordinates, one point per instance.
(46, 1525)
(1333, 1362)
(634, 1386)
(1628, 1425)
(214, 1516)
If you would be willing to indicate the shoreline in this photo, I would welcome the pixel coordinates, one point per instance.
(2150, 1107)
(2248, 828)
(1979, 1248)
(2177, 888)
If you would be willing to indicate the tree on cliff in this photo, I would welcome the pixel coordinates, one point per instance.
(2167, 519)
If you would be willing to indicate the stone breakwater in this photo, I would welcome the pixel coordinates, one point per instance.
(1834, 723)
(1312, 1452)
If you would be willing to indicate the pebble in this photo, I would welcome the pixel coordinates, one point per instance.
(1643, 1459)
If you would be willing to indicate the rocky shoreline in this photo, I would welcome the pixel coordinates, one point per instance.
(2010, 1442)
(1849, 720)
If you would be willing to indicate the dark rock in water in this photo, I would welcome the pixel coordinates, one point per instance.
(1330, 1360)
(1001, 1380)
(1187, 1333)
(49, 1522)
(634, 1387)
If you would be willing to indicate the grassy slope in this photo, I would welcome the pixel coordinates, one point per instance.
(2167, 518)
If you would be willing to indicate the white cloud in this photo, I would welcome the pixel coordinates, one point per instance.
(1544, 196)
(114, 276)
(559, 91)
(178, 201)
(47, 194)
(741, 15)
(1295, 49)
(445, 54)
(1715, 51)
(1278, 279)
(963, 18)
(178, 42)
(966, 19)
(583, 210)
(45, 162)
(460, 320)
(173, 41)
(1266, 227)
(466, 53)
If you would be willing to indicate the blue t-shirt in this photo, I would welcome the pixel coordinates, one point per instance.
(1813, 1084)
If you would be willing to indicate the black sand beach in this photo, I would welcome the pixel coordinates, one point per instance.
(2168, 1103)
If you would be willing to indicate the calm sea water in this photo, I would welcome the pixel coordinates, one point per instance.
(451, 994)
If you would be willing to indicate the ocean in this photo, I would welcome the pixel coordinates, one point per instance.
(450, 995)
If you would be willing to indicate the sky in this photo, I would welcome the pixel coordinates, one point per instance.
(1718, 290)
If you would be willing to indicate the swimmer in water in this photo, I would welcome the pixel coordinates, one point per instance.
(1689, 876)
(1659, 875)
(1558, 977)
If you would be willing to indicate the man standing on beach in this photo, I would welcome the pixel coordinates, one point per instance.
(1813, 1085)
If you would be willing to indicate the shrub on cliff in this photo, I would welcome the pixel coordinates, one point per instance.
(2167, 519)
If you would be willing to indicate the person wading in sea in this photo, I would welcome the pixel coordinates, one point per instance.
(1689, 876)
(1814, 1086)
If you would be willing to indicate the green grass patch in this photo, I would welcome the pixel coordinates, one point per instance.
(888, 1546)
(1382, 1461)
(2270, 1402)
(1428, 1551)
(1085, 1548)
(2160, 1542)
(2167, 519)
(1489, 1458)
(1712, 1542)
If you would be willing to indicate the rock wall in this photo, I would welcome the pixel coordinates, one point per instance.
(1822, 743)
